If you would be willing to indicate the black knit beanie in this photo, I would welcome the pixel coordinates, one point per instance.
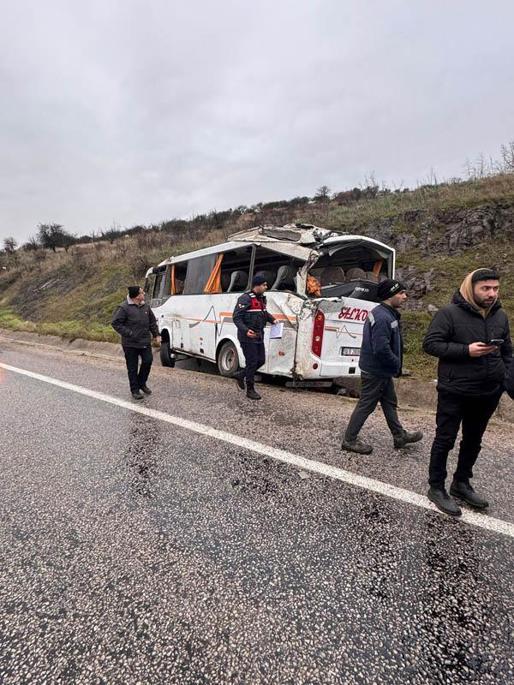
(133, 291)
(388, 288)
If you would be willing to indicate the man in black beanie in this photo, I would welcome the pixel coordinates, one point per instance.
(471, 338)
(250, 318)
(380, 361)
(136, 323)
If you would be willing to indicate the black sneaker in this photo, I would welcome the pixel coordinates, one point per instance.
(443, 501)
(240, 380)
(407, 439)
(465, 492)
(138, 395)
(146, 390)
(252, 394)
(356, 446)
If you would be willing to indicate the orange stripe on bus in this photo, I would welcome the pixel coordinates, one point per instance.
(279, 317)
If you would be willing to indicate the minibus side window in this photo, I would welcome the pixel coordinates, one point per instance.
(198, 271)
(279, 270)
(177, 278)
(235, 270)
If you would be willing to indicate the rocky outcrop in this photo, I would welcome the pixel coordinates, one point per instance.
(445, 232)
(448, 232)
(463, 229)
(418, 283)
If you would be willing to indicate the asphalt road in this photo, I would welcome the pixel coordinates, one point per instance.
(134, 550)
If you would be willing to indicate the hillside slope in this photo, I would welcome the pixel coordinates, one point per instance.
(441, 232)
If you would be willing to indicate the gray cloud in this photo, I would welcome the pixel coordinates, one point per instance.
(134, 112)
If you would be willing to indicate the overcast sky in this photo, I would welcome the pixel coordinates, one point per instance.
(133, 111)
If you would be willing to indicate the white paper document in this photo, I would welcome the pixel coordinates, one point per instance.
(276, 330)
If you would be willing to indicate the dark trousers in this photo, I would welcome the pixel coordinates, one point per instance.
(255, 356)
(138, 375)
(452, 411)
(374, 390)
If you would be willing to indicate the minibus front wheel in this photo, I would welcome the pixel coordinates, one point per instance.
(228, 359)
(167, 356)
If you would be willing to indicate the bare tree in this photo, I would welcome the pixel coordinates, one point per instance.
(322, 194)
(507, 153)
(10, 246)
(32, 245)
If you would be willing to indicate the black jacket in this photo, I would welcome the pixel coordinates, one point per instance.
(135, 323)
(250, 313)
(451, 332)
(509, 380)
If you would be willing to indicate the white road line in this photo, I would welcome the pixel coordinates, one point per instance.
(400, 494)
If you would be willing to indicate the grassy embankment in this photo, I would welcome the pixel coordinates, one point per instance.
(73, 294)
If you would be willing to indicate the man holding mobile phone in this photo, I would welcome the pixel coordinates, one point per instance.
(471, 338)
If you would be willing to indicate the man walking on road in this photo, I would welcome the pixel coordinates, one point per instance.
(381, 360)
(250, 317)
(136, 323)
(471, 338)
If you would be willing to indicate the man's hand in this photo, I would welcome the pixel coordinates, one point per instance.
(251, 334)
(480, 349)
(274, 322)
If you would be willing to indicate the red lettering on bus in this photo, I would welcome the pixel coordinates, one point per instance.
(353, 314)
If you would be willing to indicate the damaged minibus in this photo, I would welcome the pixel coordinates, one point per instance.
(322, 286)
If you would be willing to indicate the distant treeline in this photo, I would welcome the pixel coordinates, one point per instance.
(53, 236)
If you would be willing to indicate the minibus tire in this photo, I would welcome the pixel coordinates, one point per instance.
(228, 359)
(165, 352)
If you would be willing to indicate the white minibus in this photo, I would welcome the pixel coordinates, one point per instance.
(322, 286)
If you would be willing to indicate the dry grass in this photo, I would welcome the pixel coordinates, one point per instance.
(429, 199)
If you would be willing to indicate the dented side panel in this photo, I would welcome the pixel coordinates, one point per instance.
(280, 357)
(342, 338)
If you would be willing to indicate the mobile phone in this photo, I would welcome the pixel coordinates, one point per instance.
(496, 342)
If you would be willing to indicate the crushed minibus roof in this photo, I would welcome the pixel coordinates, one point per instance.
(297, 240)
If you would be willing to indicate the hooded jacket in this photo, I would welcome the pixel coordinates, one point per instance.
(450, 333)
(466, 290)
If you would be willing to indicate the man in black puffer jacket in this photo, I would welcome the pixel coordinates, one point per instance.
(509, 381)
(472, 340)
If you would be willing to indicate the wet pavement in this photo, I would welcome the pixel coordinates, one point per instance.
(133, 551)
